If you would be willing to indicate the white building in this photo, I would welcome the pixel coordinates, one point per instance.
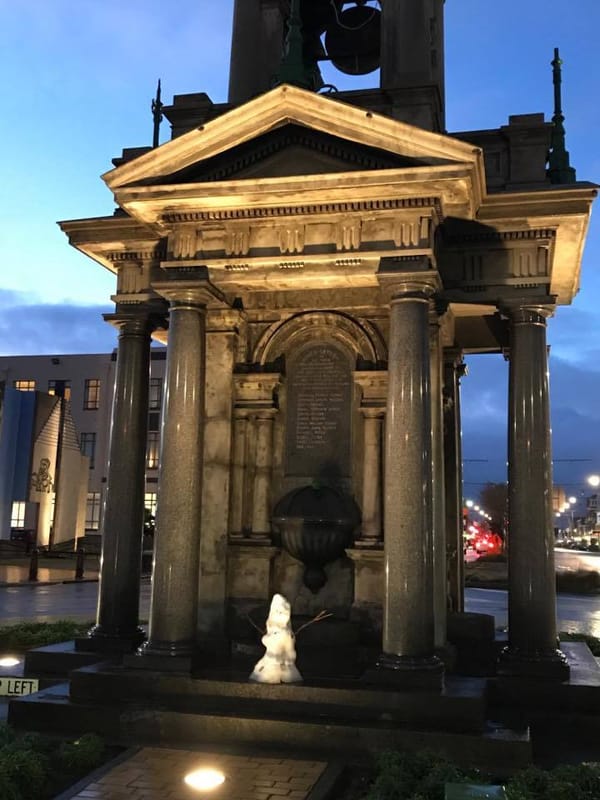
(87, 383)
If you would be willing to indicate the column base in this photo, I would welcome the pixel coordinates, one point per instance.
(372, 544)
(259, 538)
(162, 657)
(99, 640)
(407, 672)
(549, 665)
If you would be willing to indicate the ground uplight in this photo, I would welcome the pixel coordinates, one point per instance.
(9, 661)
(205, 779)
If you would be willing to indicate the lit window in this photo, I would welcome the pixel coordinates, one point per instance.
(17, 517)
(60, 389)
(91, 394)
(152, 451)
(25, 386)
(92, 513)
(150, 502)
(155, 396)
(88, 446)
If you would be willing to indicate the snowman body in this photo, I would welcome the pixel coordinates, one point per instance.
(278, 665)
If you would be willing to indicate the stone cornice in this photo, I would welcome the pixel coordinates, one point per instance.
(451, 185)
(304, 210)
(114, 240)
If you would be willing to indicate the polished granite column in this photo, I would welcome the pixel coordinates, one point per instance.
(117, 625)
(174, 604)
(408, 624)
(532, 641)
(454, 369)
(440, 582)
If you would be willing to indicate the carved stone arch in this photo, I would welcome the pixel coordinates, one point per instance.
(360, 338)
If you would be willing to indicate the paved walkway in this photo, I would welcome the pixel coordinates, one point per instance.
(157, 774)
(15, 572)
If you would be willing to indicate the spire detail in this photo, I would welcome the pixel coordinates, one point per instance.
(157, 115)
(293, 68)
(559, 167)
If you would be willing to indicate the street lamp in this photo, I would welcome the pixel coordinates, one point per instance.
(594, 481)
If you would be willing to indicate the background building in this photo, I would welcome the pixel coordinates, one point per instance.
(86, 383)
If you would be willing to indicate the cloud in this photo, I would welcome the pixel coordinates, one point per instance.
(43, 329)
(575, 413)
(573, 337)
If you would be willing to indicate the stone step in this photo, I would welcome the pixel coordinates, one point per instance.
(461, 706)
(579, 695)
(497, 749)
(57, 660)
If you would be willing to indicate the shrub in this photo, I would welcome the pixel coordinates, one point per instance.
(581, 782)
(24, 771)
(83, 754)
(579, 582)
(414, 776)
(38, 634)
(36, 767)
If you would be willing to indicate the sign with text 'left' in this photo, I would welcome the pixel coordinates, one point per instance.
(14, 687)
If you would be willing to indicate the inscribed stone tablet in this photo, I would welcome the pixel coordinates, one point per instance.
(318, 414)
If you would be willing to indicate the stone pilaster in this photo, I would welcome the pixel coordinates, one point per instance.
(408, 623)
(371, 531)
(532, 640)
(117, 625)
(373, 387)
(454, 369)
(256, 400)
(438, 514)
(261, 497)
(238, 474)
(174, 605)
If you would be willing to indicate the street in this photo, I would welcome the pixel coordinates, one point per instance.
(78, 601)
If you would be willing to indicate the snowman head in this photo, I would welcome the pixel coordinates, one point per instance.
(280, 611)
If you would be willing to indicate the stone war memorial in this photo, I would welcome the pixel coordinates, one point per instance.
(318, 263)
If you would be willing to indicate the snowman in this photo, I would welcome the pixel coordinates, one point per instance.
(278, 665)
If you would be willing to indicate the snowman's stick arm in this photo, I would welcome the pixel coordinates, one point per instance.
(320, 616)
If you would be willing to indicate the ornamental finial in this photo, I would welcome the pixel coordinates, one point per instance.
(559, 167)
(293, 67)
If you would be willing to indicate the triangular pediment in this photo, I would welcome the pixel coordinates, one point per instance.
(288, 150)
(290, 131)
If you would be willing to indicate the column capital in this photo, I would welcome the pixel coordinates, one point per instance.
(190, 294)
(138, 322)
(527, 313)
(373, 385)
(372, 412)
(256, 390)
(454, 358)
(400, 287)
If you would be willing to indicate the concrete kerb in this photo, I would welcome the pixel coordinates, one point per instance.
(33, 584)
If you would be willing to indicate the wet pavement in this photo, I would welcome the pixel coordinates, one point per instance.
(50, 570)
(78, 601)
(48, 603)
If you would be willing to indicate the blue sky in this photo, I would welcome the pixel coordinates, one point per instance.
(77, 80)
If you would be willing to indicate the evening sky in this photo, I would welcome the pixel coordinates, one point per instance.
(77, 80)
